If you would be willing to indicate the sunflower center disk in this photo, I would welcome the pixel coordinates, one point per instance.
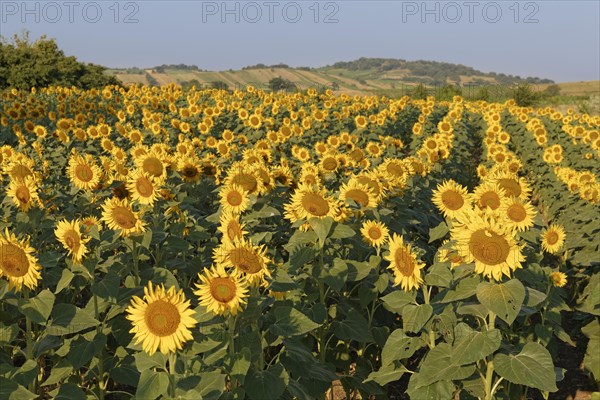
(153, 166)
(72, 240)
(234, 199)
(375, 233)
(162, 318)
(516, 213)
(489, 247)
(512, 187)
(452, 200)
(233, 230)
(489, 199)
(13, 261)
(552, 237)
(23, 194)
(144, 187)
(222, 289)
(315, 204)
(245, 260)
(247, 181)
(124, 218)
(84, 173)
(404, 262)
(358, 196)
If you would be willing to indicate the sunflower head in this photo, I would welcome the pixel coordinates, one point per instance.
(558, 279)
(451, 198)
(161, 320)
(553, 238)
(246, 258)
(69, 235)
(375, 233)
(404, 264)
(17, 262)
(118, 214)
(222, 292)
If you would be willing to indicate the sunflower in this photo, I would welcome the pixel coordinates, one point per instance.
(83, 171)
(153, 164)
(487, 243)
(162, 320)
(553, 238)
(144, 188)
(117, 214)
(404, 264)
(310, 201)
(246, 258)
(23, 193)
(244, 176)
(231, 227)
(222, 292)
(189, 169)
(18, 263)
(517, 213)
(361, 194)
(234, 199)
(513, 186)
(451, 198)
(68, 233)
(375, 233)
(558, 279)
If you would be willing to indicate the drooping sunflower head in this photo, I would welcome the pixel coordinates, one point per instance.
(404, 264)
(360, 194)
(69, 235)
(17, 262)
(517, 214)
(248, 259)
(375, 233)
(222, 292)
(487, 243)
(118, 214)
(161, 320)
(451, 198)
(189, 169)
(553, 238)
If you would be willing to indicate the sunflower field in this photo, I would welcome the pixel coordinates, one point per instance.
(206, 244)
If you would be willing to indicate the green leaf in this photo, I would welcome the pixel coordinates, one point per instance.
(241, 364)
(386, 374)
(267, 384)
(353, 327)
(439, 366)
(438, 232)
(322, 227)
(144, 361)
(356, 270)
(59, 371)
(302, 256)
(212, 385)
(470, 346)
(532, 367)
(82, 350)
(397, 300)
(282, 281)
(151, 385)
(439, 275)
(38, 308)
(11, 390)
(464, 289)
(440, 390)
(67, 319)
(70, 391)
(336, 276)
(533, 297)
(342, 231)
(399, 346)
(291, 322)
(589, 299)
(591, 360)
(504, 299)
(108, 287)
(64, 281)
(414, 317)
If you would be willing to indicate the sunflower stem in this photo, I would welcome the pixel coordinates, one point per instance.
(232, 321)
(101, 385)
(426, 298)
(322, 333)
(29, 340)
(489, 374)
(136, 271)
(172, 362)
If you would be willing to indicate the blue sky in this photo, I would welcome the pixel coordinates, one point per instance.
(559, 40)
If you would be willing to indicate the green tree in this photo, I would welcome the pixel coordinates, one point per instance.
(419, 92)
(25, 64)
(277, 84)
(525, 96)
